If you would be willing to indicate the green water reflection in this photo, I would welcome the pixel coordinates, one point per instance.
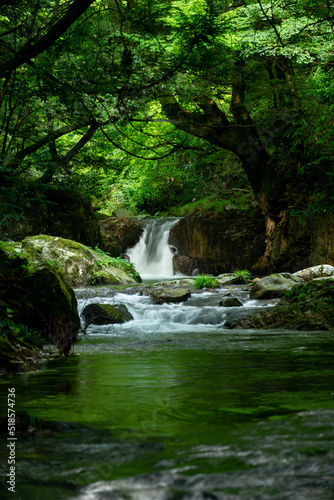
(204, 403)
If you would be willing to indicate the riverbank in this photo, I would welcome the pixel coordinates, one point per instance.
(308, 306)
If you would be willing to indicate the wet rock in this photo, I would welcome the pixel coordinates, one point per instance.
(185, 265)
(273, 286)
(321, 271)
(106, 314)
(230, 302)
(39, 298)
(170, 295)
(218, 243)
(119, 233)
(236, 317)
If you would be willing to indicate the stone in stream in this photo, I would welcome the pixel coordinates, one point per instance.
(170, 295)
(230, 302)
(321, 271)
(274, 286)
(106, 314)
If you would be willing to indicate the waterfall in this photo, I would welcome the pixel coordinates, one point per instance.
(152, 256)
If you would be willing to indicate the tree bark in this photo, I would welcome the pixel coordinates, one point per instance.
(271, 189)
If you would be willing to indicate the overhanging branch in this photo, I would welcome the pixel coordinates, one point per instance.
(31, 49)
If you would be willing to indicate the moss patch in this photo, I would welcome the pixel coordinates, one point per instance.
(308, 306)
(79, 264)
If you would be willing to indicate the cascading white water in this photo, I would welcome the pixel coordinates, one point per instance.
(152, 255)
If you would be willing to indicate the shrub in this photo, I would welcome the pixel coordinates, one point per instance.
(205, 281)
(106, 260)
(242, 276)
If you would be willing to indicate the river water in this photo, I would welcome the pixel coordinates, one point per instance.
(173, 406)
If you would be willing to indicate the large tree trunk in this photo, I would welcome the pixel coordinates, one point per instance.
(275, 193)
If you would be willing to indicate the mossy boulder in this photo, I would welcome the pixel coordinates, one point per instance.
(170, 295)
(106, 314)
(230, 302)
(38, 297)
(50, 306)
(79, 264)
(274, 286)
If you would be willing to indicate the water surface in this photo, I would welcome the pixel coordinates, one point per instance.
(175, 407)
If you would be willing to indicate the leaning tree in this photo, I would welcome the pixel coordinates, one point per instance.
(260, 85)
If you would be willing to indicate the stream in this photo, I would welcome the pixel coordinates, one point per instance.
(173, 406)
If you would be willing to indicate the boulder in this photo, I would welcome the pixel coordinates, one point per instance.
(121, 212)
(181, 282)
(170, 295)
(230, 302)
(50, 306)
(219, 242)
(79, 265)
(274, 286)
(320, 271)
(119, 233)
(305, 275)
(106, 314)
(232, 279)
(39, 298)
(239, 317)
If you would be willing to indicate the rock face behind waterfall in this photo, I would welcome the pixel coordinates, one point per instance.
(119, 233)
(218, 243)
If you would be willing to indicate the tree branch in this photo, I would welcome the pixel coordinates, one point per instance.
(238, 107)
(46, 139)
(82, 142)
(31, 49)
(212, 125)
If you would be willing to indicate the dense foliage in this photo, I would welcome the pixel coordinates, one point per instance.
(150, 105)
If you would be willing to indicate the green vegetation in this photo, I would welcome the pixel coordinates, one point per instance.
(205, 281)
(169, 106)
(242, 275)
(105, 259)
(32, 337)
(308, 306)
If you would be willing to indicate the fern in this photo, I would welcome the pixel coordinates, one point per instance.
(205, 281)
